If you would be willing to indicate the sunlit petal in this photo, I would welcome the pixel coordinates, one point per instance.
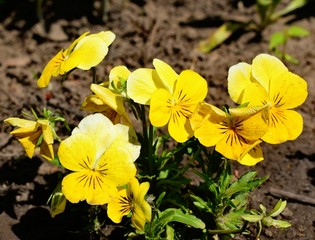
(179, 127)
(252, 156)
(102, 135)
(287, 90)
(166, 73)
(52, 69)
(77, 152)
(263, 68)
(29, 142)
(117, 76)
(142, 83)
(160, 107)
(284, 125)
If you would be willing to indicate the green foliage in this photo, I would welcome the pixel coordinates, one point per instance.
(278, 42)
(266, 9)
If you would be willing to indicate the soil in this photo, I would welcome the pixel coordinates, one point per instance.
(166, 29)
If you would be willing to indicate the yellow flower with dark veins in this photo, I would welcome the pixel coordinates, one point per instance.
(172, 97)
(234, 133)
(268, 81)
(131, 199)
(32, 134)
(101, 156)
(85, 52)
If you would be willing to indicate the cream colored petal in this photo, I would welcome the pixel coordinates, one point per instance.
(77, 152)
(239, 77)
(141, 85)
(126, 137)
(264, 66)
(166, 73)
(100, 129)
(284, 125)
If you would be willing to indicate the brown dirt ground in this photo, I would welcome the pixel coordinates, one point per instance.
(166, 29)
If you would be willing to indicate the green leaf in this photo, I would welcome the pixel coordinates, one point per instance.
(176, 215)
(296, 31)
(292, 6)
(252, 218)
(281, 224)
(201, 204)
(170, 233)
(220, 35)
(290, 59)
(277, 39)
(279, 207)
(245, 184)
(232, 220)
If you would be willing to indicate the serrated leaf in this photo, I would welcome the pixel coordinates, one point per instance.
(220, 35)
(277, 39)
(176, 215)
(296, 31)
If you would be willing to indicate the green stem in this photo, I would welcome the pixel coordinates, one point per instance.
(228, 231)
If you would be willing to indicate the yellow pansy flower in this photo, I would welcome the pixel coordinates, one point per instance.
(131, 199)
(172, 97)
(85, 52)
(233, 133)
(33, 133)
(268, 81)
(101, 156)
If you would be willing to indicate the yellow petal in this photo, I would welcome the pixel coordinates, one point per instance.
(118, 206)
(287, 90)
(205, 120)
(250, 122)
(179, 128)
(89, 52)
(160, 107)
(52, 69)
(264, 66)
(77, 152)
(118, 165)
(107, 36)
(22, 123)
(166, 73)
(87, 185)
(47, 131)
(284, 125)
(252, 157)
(69, 50)
(100, 129)
(142, 83)
(110, 98)
(93, 103)
(29, 143)
(190, 88)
